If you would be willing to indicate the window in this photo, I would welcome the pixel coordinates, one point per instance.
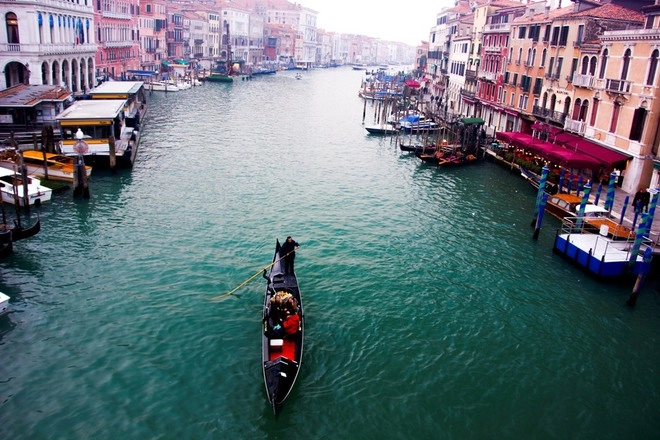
(580, 35)
(551, 65)
(560, 61)
(603, 64)
(519, 56)
(626, 64)
(564, 36)
(546, 37)
(585, 65)
(584, 108)
(513, 99)
(12, 28)
(543, 55)
(592, 66)
(639, 119)
(653, 68)
(615, 117)
(555, 36)
(521, 32)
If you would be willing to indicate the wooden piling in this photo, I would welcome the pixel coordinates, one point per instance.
(112, 153)
(80, 181)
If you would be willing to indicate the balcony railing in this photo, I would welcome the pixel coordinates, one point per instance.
(557, 116)
(126, 43)
(489, 76)
(574, 126)
(540, 111)
(618, 85)
(470, 75)
(468, 93)
(580, 80)
(497, 27)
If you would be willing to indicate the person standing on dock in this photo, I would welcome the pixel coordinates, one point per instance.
(288, 252)
(641, 200)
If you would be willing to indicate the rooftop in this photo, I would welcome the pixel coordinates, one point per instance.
(24, 95)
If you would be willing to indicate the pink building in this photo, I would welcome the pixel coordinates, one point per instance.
(117, 36)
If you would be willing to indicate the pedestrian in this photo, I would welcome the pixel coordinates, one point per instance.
(288, 252)
(641, 200)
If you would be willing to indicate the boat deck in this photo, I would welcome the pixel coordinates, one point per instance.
(602, 248)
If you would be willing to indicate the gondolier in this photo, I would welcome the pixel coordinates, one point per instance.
(289, 254)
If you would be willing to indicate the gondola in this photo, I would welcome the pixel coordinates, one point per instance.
(283, 331)
(19, 232)
(6, 246)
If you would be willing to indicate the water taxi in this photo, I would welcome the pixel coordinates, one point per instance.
(43, 165)
(15, 192)
(101, 122)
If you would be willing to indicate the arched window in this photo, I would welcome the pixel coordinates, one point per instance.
(529, 57)
(12, 28)
(576, 109)
(592, 66)
(533, 56)
(543, 55)
(584, 108)
(616, 108)
(585, 66)
(594, 113)
(653, 68)
(626, 64)
(603, 64)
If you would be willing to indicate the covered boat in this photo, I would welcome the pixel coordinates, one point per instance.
(283, 331)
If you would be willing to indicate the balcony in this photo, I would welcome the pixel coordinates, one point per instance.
(199, 41)
(470, 75)
(574, 126)
(498, 27)
(488, 76)
(493, 49)
(557, 116)
(540, 111)
(125, 43)
(468, 93)
(618, 86)
(580, 80)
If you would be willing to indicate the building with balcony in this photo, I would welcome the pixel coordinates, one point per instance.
(495, 54)
(627, 97)
(523, 77)
(117, 36)
(48, 43)
(572, 44)
(153, 28)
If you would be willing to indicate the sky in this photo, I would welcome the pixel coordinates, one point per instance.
(407, 21)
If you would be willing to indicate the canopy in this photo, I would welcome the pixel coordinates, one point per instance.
(472, 121)
(573, 159)
(554, 152)
(412, 83)
(604, 155)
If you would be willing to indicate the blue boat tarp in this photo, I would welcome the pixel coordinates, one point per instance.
(411, 118)
(142, 72)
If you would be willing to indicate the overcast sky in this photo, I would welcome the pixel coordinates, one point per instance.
(407, 21)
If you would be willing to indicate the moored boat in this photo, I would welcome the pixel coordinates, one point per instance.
(6, 248)
(99, 121)
(283, 332)
(43, 165)
(382, 129)
(13, 189)
(162, 86)
(4, 303)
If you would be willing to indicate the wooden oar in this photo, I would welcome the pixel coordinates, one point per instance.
(219, 297)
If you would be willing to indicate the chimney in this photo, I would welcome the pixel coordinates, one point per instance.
(547, 11)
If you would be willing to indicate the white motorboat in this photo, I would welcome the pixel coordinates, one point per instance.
(161, 86)
(13, 189)
(4, 303)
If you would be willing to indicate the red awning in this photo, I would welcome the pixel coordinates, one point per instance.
(412, 83)
(573, 159)
(605, 155)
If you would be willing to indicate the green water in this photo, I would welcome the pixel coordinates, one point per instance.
(431, 312)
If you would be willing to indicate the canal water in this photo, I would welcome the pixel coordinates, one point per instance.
(431, 312)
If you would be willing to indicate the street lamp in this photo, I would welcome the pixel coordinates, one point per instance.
(80, 184)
